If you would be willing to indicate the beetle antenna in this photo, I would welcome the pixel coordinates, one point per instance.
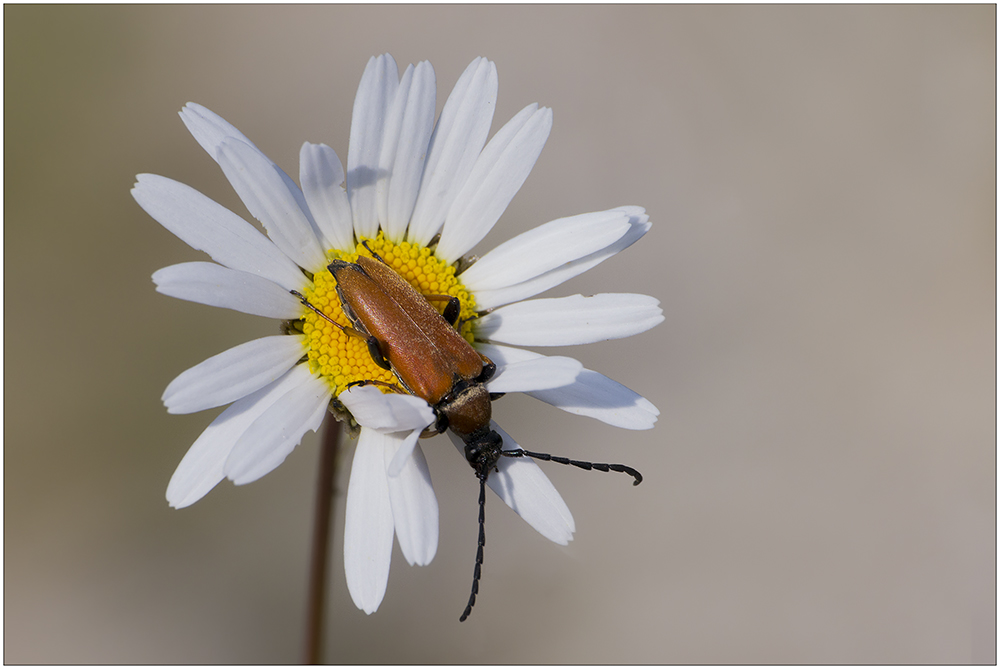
(305, 302)
(599, 466)
(479, 551)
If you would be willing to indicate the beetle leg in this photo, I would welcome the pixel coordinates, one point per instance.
(307, 303)
(385, 384)
(489, 369)
(451, 311)
(430, 432)
(374, 349)
(374, 255)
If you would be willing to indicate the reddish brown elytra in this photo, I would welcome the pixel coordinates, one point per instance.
(408, 336)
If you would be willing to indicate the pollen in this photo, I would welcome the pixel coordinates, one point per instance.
(343, 358)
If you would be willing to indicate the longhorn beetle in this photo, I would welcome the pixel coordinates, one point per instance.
(408, 336)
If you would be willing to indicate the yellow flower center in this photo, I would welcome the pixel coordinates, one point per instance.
(342, 359)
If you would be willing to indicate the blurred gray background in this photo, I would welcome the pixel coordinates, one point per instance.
(821, 484)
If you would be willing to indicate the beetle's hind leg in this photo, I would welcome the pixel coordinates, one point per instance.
(374, 348)
(394, 387)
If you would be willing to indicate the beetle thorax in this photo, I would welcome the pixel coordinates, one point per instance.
(468, 409)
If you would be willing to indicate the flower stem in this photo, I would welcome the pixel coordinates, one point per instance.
(321, 543)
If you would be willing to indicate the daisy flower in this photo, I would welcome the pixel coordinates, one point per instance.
(421, 195)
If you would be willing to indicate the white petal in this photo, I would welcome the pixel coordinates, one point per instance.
(208, 128)
(219, 286)
(458, 138)
(402, 456)
(537, 374)
(212, 132)
(527, 490)
(545, 248)
(404, 149)
(276, 432)
(204, 465)
(597, 396)
(563, 321)
(208, 226)
(392, 126)
(233, 374)
(496, 177)
(490, 299)
(274, 200)
(368, 523)
(592, 394)
(322, 180)
(371, 105)
(386, 412)
(414, 506)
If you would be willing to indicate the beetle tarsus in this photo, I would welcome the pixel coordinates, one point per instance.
(375, 351)
(452, 311)
(374, 255)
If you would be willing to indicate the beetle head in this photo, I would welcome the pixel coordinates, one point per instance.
(482, 450)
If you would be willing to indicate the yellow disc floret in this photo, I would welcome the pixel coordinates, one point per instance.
(342, 359)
